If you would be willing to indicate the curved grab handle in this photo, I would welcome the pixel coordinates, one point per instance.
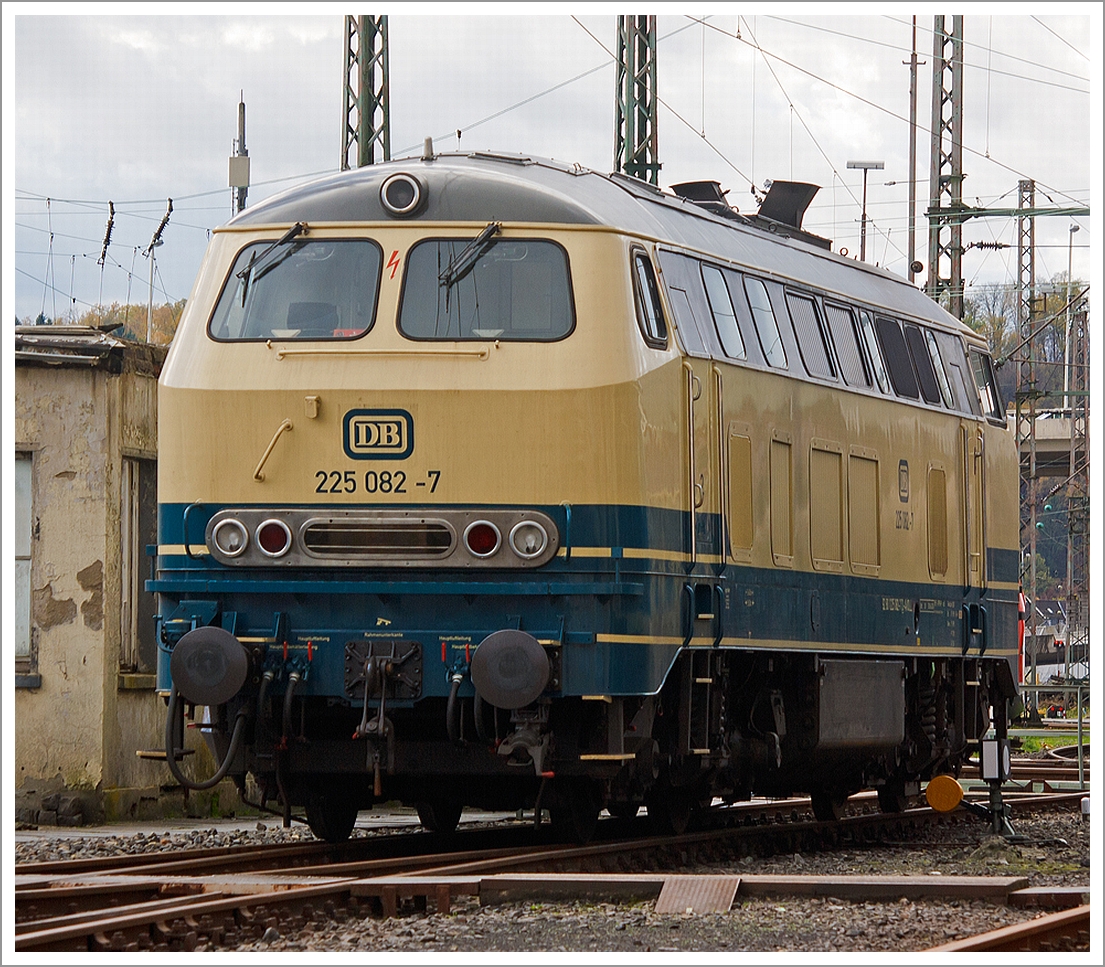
(184, 527)
(286, 425)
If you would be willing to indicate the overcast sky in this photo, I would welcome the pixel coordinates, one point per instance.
(110, 103)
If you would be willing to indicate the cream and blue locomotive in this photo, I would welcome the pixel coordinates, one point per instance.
(492, 481)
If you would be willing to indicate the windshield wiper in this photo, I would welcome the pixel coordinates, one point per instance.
(459, 267)
(252, 271)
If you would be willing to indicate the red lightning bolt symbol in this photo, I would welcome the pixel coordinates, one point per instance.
(393, 263)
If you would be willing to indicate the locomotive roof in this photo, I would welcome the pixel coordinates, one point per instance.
(483, 187)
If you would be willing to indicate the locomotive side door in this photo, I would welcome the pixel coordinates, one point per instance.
(973, 445)
(702, 405)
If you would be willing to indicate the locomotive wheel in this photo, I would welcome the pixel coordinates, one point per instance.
(828, 807)
(623, 810)
(439, 815)
(576, 816)
(892, 798)
(331, 816)
(670, 812)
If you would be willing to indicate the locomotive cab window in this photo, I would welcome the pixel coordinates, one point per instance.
(646, 296)
(512, 289)
(302, 289)
(987, 384)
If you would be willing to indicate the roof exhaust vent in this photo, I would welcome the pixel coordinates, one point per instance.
(787, 201)
(706, 194)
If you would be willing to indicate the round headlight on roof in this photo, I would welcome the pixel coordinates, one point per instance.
(402, 194)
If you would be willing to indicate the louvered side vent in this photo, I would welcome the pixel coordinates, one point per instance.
(379, 539)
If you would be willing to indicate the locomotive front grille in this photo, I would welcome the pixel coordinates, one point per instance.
(379, 539)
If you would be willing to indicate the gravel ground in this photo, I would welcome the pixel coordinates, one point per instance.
(1056, 851)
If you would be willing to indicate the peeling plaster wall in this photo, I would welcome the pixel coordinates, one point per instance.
(80, 726)
(59, 415)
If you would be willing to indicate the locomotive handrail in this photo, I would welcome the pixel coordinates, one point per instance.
(723, 505)
(691, 481)
(286, 425)
(566, 544)
(480, 354)
(980, 456)
(965, 437)
(719, 605)
(184, 528)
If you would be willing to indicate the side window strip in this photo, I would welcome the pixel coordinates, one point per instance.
(954, 354)
(922, 365)
(873, 352)
(725, 317)
(842, 323)
(767, 329)
(897, 357)
(938, 366)
(812, 343)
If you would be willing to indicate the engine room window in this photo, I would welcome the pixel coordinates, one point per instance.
(938, 367)
(812, 343)
(646, 295)
(897, 358)
(303, 289)
(513, 289)
(766, 327)
(725, 318)
(922, 364)
(873, 352)
(842, 322)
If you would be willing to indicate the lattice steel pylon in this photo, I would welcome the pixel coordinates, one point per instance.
(635, 142)
(945, 269)
(365, 90)
(1078, 494)
(1027, 390)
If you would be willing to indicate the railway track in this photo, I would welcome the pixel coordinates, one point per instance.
(158, 904)
(1065, 930)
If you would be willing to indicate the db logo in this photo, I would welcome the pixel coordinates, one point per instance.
(378, 434)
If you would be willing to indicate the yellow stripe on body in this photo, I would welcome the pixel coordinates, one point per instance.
(169, 550)
(640, 554)
(785, 645)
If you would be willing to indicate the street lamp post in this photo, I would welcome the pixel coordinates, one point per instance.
(865, 166)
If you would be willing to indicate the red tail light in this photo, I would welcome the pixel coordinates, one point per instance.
(482, 538)
(274, 538)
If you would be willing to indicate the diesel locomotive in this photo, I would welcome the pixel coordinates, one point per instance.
(488, 480)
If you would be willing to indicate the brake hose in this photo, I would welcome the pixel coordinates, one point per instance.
(170, 751)
(452, 712)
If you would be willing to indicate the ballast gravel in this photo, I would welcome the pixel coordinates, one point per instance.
(1055, 852)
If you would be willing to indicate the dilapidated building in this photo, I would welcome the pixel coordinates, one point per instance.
(85, 511)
